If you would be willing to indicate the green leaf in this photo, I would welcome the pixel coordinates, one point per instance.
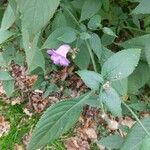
(51, 88)
(94, 22)
(56, 120)
(2, 61)
(121, 64)
(138, 78)
(107, 39)
(109, 31)
(139, 106)
(90, 8)
(4, 35)
(8, 86)
(81, 56)
(142, 8)
(20, 58)
(106, 5)
(146, 143)
(52, 41)
(8, 18)
(112, 101)
(106, 53)
(92, 79)
(121, 86)
(68, 37)
(141, 42)
(136, 137)
(37, 13)
(9, 53)
(4, 75)
(93, 101)
(112, 141)
(59, 21)
(96, 45)
(34, 56)
(85, 36)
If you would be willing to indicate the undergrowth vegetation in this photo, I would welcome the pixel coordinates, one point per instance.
(75, 74)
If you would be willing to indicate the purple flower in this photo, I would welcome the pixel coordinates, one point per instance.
(59, 56)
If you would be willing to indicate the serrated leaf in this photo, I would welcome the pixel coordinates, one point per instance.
(141, 42)
(4, 75)
(92, 79)
(95, 43)
(68, 37)
(121, 64)
(56, 120)
(90, 8)
(142, 8)
(138, 78)
(112, 101)
(134, 139)
(37, 13)
(112, 141)
(8, 18)
(4, 35)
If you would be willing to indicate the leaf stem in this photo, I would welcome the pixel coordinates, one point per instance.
(136, 29)
(137, 119)
(91, 55)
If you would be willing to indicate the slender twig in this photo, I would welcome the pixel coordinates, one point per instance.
(137, 119)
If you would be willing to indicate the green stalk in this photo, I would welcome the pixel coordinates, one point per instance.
(91, 55)
(87, 44)
(137, 119)
(135, 29)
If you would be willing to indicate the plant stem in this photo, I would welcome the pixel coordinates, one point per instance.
(91, 55)
(135, 29)
(87, 44)
(137, 119)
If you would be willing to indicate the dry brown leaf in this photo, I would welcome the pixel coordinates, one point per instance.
(113, 125)
(18, 147)
(26, 138)
(101, 147)
(127, 121)
(75, 143)
(90, 133)
(2, 91)
(27, 112)
(4, 126)
(16, 101)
